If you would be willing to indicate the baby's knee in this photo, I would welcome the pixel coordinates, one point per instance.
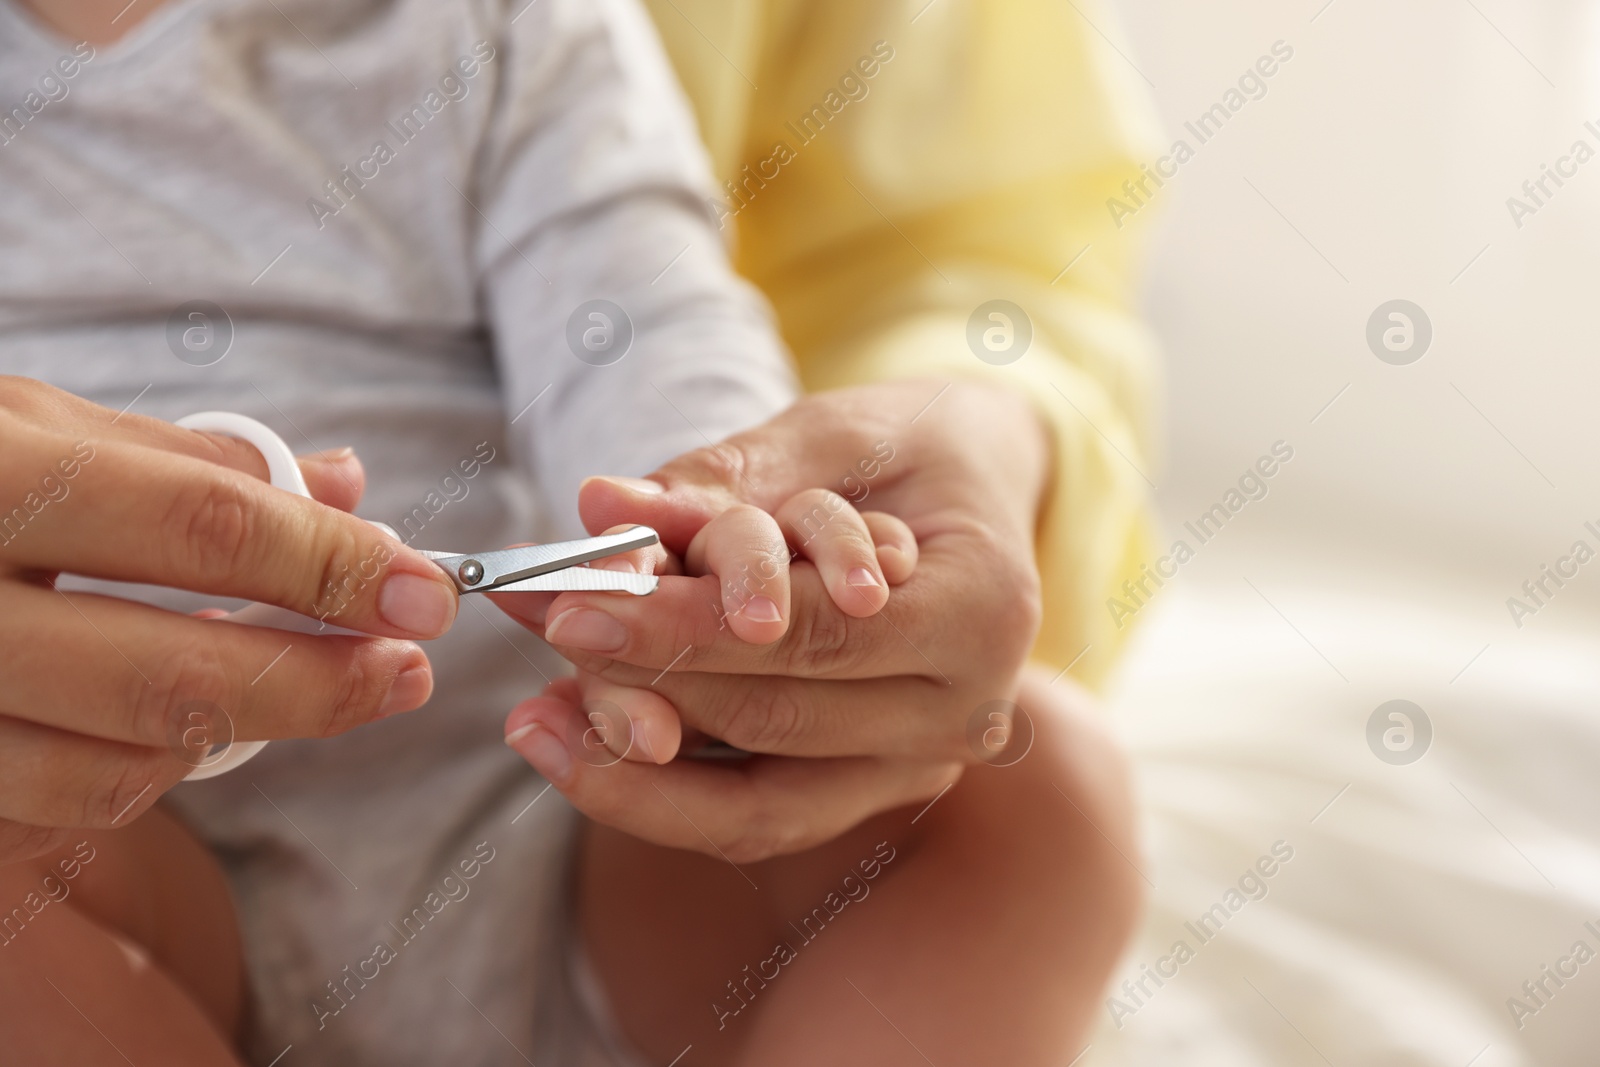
(1077, 754)
(1065, 803)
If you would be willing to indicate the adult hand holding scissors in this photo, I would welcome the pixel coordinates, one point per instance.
(96, 693)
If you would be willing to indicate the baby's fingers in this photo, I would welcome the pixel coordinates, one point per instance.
(897, 545)
(745, 549)
(826, 529)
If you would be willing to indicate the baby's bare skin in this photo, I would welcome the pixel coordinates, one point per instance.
(134, 957)
(987, 939)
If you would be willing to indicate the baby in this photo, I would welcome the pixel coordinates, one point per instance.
(428, 229)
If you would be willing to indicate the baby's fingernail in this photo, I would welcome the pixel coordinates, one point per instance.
(621, 563)
(635, 485)
(861, 577)
(536, 744)
(409, 691)
(416, 604)
(762, 609)
(585, 628)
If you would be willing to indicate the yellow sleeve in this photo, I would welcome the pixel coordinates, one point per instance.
(889, 176)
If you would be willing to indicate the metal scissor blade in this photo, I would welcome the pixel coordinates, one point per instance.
(585, 579)
(483, 571)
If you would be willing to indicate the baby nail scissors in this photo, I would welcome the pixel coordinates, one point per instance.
(552, 568)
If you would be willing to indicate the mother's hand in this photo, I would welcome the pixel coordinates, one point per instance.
(101, 698)
(883, 702)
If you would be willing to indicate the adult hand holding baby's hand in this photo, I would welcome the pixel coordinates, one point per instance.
(880, 701)
(97, 693)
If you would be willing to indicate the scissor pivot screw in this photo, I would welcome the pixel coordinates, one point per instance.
(471, 572)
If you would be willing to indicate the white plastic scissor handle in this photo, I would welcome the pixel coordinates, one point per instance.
(285, 472)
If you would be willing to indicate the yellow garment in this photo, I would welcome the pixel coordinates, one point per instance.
(974, 163)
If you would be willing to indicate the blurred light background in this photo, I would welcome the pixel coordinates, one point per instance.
(1421, 896)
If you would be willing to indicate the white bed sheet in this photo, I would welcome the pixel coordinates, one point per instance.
(1418, 901)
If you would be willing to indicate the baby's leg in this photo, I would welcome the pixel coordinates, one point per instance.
(987, 938)
(992, 944)
(120, 948)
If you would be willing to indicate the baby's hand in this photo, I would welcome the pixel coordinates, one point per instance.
(858, 555)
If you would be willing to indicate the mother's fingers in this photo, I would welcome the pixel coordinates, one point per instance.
(142, 515)
(969, 611)
(128, 672)
(836, 440)
(23, 841)
(56, 778)
(334, 477)
(634, 723)
(682, 626)
(741, 812)
(49, 410)
(775, 715)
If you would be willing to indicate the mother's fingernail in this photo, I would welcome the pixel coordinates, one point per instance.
(634, 485)
(762, 609)
(342, 458)
(410, 691)
(416, 604)
(585, 628)
(536, 744)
